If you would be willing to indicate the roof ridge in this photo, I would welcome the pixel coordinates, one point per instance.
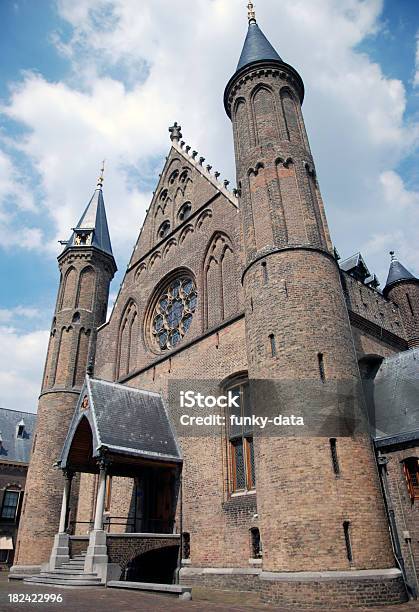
(18, 411)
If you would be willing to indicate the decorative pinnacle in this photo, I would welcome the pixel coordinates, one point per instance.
(175, 132)
(101, 179)
(251, 15)
(392, 255)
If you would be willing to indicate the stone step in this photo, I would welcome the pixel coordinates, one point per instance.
(61, 582)
(183, 592)
(73, 564)
(65, 572)
(76, 576)
(78, 558)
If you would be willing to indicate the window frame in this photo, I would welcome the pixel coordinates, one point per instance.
(4, 505)
(247, 442)
(413, 489)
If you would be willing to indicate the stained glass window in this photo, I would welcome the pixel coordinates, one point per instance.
(173, 313)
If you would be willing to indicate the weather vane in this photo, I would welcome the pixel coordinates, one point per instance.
(101, 179)
(251, 15)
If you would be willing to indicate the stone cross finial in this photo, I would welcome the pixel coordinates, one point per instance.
(175, 132)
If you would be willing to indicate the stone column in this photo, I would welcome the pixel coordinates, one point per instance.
(60, 551)
(64, 504)
(100, 499)
(96, 556)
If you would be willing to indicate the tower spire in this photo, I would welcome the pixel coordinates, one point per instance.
(92, 229)
(251, 15)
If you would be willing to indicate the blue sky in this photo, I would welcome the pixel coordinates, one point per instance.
(85, 80)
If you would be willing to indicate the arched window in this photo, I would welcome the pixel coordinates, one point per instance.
(163, 195)
(240, 450)
(184, 176)
(411, 472)
(164, 229)
(185, 211)
(173, 312)
(173, 176)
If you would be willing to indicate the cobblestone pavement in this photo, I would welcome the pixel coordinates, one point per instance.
(118, 600)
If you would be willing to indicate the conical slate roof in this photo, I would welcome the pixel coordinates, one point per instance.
(396, 274)
(256, 48)
(94, 218)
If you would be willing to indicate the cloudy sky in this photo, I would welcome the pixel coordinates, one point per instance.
(85, 80)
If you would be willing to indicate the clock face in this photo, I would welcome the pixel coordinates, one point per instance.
(174, 312)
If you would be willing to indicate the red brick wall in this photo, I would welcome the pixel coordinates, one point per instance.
(81, 307)
(406, 296)
(406, 511)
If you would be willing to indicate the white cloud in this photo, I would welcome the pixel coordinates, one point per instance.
(22, 359)
(9, 314)
(168, 65)
(395, 192)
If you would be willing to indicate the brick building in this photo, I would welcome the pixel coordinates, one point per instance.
(16, 437)
(237, 292)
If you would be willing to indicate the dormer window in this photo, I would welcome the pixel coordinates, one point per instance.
(20, 429)
(164, 229)
(185, 211)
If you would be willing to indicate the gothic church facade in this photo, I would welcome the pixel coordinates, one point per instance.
(234, 287)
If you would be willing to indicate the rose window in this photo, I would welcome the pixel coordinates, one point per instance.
(173, 313)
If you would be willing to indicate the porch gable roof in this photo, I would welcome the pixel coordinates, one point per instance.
(123, 421)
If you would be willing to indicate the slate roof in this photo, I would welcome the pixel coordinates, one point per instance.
(12, 448)
(355, 262)
(397, 273)
(94, 218)
(256, 48)
(125, 420)
(396, 393)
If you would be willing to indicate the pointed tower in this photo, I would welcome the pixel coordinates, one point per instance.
(87, 267)
(318, 498)
(402, 288)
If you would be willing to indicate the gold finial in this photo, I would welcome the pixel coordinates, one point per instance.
(101, 179)
(251, 15)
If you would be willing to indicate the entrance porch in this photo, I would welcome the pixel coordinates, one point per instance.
(120, 432)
